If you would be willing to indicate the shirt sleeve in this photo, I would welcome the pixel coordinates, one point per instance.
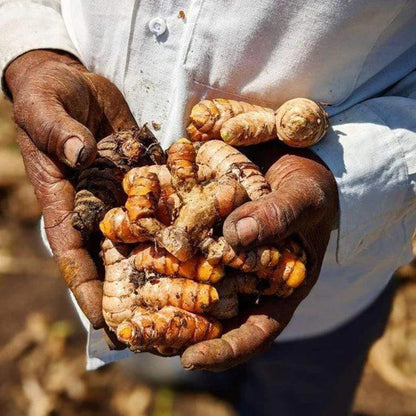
(371, 150)
(31, 24)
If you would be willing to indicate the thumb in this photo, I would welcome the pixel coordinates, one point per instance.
(271, 218)
(56, 133)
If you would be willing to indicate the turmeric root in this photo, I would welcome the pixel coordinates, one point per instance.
(119, 286)
(299, 122)
(289, 274)
(286, 273)
(195, 218)
(126, 149)
(202, 199)
(147, 257)
(181, 164)
(127, 290)
(168, 202)
(158, 294)
(182, 293)
(143, 196)
(190, 203)
(290, 270)
(118, 227)
(161, 171)
(98, 187)
(218, 251)
(245, 284)
(250, 128)
(216, 159)
(168, 330)
(91, 203)
(208, 199)
(98, 190)
(208, 117)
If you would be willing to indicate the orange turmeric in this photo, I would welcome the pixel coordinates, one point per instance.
(218, 251)
(117, 226)
(98, 187)
(216, 159)
(182, 293)
(130, 292)
(167, 331)
(148, 257)
(143, 196)
(167, 291)
(228, 179)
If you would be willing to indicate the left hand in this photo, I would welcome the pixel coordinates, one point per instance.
(61, 109)
(304, 203)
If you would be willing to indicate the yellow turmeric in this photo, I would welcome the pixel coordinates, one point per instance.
(299, 122)
(149, 311)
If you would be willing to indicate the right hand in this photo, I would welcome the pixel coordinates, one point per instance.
(61, 109)
(303, 203)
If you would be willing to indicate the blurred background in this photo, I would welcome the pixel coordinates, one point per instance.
(42, 343)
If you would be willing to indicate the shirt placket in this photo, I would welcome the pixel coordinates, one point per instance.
(158, 40)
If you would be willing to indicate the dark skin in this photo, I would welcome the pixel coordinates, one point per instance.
(304, 203)
(62, 109)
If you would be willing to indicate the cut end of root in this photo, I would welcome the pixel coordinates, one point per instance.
(297, 276)
(301, 122)
(126, 333)
(208, 272)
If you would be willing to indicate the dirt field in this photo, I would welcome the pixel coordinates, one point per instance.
(42, 343)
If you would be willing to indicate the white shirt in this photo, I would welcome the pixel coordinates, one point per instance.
(356, 55)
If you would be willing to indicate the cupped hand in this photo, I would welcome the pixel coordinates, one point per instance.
(61, 109)
(303, 203)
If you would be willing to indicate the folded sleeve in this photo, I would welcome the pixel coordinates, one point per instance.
(31, 24)
(371, 150)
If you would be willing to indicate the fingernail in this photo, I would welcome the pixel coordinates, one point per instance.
(247, 230)
(73, 151)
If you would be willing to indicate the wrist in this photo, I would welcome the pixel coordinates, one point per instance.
(19, 69)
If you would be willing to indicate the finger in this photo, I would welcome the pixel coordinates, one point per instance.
(234, 347)
(54, 131)
(56, 197)
(111, 100)
(271, 218)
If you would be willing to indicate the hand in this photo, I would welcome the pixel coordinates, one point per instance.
(304, 203)
(61, 109)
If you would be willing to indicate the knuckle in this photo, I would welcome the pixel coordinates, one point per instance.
(282, 216)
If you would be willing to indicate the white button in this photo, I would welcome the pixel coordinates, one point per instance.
(157, 26)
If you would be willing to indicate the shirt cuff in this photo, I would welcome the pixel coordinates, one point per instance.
(25, 26)
(371, 150)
